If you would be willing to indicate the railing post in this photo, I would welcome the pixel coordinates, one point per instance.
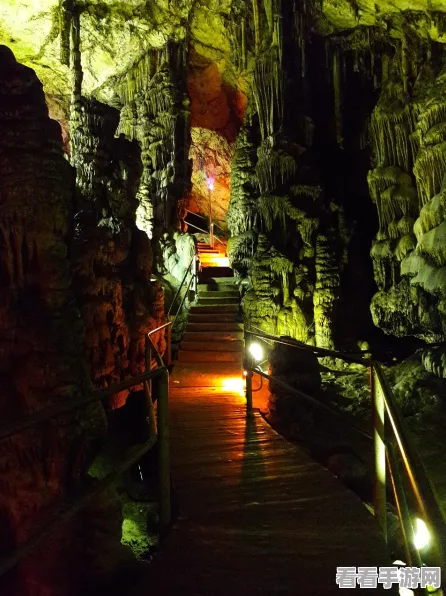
(148, 390)
(168, 345)
(195, 274)
(211, 234)
(379, 489)
(247, 363)
(163, 449)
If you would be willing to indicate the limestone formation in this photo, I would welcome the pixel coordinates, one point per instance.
(42, 351)
(407, 187)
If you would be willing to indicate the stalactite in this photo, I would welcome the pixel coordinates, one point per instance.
(268, 92)
(274, 167)
(384, 69)
(66, 8)
(244, 53)
(337, 96)
(405, 63)
(268, 6)
(390, 136)
(155, 112)
(76, 59)
(256, 16)
(429, 170)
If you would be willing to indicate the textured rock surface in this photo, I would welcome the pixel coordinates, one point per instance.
(155, 112)
(41, 335)
(276, 191)
(112, 258)
(211, 157)
(407, 187)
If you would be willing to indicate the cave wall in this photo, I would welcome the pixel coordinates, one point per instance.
(406, 184)
(42, 337)
(155, 111)
(111, 258)
(279, 215)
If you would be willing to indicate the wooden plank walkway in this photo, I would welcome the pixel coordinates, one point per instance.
(257, 515)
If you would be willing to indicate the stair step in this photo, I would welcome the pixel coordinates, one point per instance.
(217, 285)
(212, 346)
(218, 294)
(229, 317)
(217, 309)
(215, 263)
(203, 327)
(213, 336)
(217, 300)
(186, 356)
(216, 272)
(208, 256)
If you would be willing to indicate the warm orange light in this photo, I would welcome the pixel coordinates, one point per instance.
(234, 385)
(245, 373)
(215, 261)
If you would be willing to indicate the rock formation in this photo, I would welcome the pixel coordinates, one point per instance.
(43, 359)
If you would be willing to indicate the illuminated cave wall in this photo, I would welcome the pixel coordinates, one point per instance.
(217, 108)
(336, 180)
(288, 236)
(407, 187)
(42, 350)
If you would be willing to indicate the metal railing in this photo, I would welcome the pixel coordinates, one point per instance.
(158, 435)
(210, 232)
(395, 457)
(193, 282)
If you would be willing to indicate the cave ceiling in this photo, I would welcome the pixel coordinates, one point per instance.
(114, 35)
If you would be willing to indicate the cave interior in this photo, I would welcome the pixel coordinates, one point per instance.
(310, 133)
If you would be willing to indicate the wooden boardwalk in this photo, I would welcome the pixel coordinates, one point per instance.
(257, 516)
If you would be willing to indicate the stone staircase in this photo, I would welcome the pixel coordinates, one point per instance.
(214, 332)
(214, 258)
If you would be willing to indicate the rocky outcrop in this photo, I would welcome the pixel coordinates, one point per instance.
(407, 187)
(112, 258)
(211, 154)
(155, 112)
(41, 337)
(298, 369)
(276, 191)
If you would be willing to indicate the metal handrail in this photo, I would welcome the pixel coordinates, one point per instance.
(205, 218)
(151, 346)
(422, 488)
(67, 509)
(58, 409)
(384, 408)
(320, 352)
(181, 285)
(206, 232)
(315, 402)
(182, 302)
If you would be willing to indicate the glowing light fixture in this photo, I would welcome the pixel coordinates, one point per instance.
(210, 181)
(256, 351)
(421, 536)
